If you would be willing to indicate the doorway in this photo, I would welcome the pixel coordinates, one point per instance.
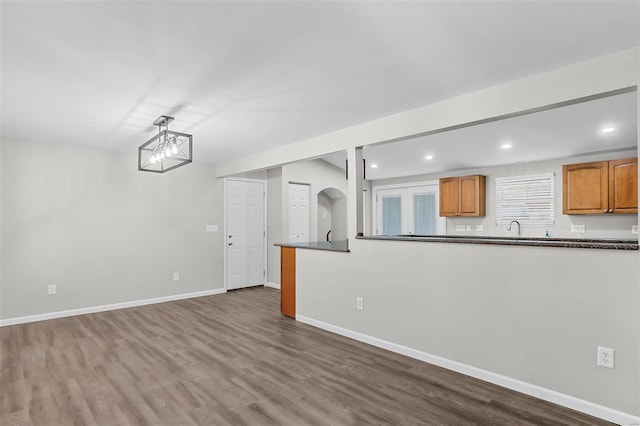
(414, 209)
(245, 232)
(332, 215)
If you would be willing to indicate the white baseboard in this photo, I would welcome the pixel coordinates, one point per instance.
(111, 307)
(272, 285)
(564, 400)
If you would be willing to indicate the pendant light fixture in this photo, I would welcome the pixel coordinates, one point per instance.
(165, 151)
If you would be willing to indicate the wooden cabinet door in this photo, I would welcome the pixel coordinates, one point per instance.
(449, 196)
(472, 195)
(288, 281)
(623, 186)
(585, 188)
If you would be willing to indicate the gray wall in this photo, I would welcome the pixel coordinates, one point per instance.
(339, 218)
(103, 232)
(320, 175)
(597, 226)
(332, 215)
(324, 215)
(529, 313)
(274, 223)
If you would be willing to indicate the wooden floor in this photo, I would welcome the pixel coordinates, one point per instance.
(233, 359)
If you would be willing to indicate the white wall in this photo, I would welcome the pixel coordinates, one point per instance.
(320, 175)
(529, 313)
(324, 215)
(597, 226)
(274, 223)
(587, 78)
(429, 296)
(339, 219)
(103, 232)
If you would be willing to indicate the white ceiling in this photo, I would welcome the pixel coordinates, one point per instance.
(557, 133)
(248, 76)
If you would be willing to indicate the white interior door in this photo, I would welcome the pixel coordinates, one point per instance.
(298, 213)
(245, 234)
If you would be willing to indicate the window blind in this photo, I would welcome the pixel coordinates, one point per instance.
(527, 199)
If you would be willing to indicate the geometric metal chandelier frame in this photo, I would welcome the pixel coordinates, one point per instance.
(165, 151)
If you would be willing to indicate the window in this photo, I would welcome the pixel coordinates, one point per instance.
(407, 210)
(527, 199)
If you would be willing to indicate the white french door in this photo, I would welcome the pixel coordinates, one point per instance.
(298, 213)
(245, 236)
(409, 210)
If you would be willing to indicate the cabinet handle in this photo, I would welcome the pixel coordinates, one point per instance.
(610, 210)
(604, 211)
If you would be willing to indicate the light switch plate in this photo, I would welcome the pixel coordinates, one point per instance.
(212, 228)
(460, 228)
(634, 229)
(580, 229)
(479, 228)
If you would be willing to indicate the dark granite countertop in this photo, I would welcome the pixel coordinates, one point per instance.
(342, 245)
(612, 244)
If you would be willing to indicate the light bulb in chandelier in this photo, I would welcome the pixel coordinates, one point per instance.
(164, 146)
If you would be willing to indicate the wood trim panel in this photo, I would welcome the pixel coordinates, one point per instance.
(288, 281)
(585, 188)
(623, 186)
(473, 195)
(449, 196)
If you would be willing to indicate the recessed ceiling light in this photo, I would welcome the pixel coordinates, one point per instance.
(608, 129)
(429, 157)
(506, 146)
(374, 166)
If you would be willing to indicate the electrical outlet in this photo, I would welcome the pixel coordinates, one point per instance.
(52, 289)
(479, 228)
(176, 276)
(468, 227)
(460, 228)
(360, 303)
(578, 229)
(606, 357)
(634, 229)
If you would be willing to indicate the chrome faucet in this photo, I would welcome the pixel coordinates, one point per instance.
(512, 222)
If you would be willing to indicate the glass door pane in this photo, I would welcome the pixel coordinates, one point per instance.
(391, 215)
(424, 214)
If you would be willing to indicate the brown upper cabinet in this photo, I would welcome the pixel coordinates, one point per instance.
(463, 196)
(600, 187)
